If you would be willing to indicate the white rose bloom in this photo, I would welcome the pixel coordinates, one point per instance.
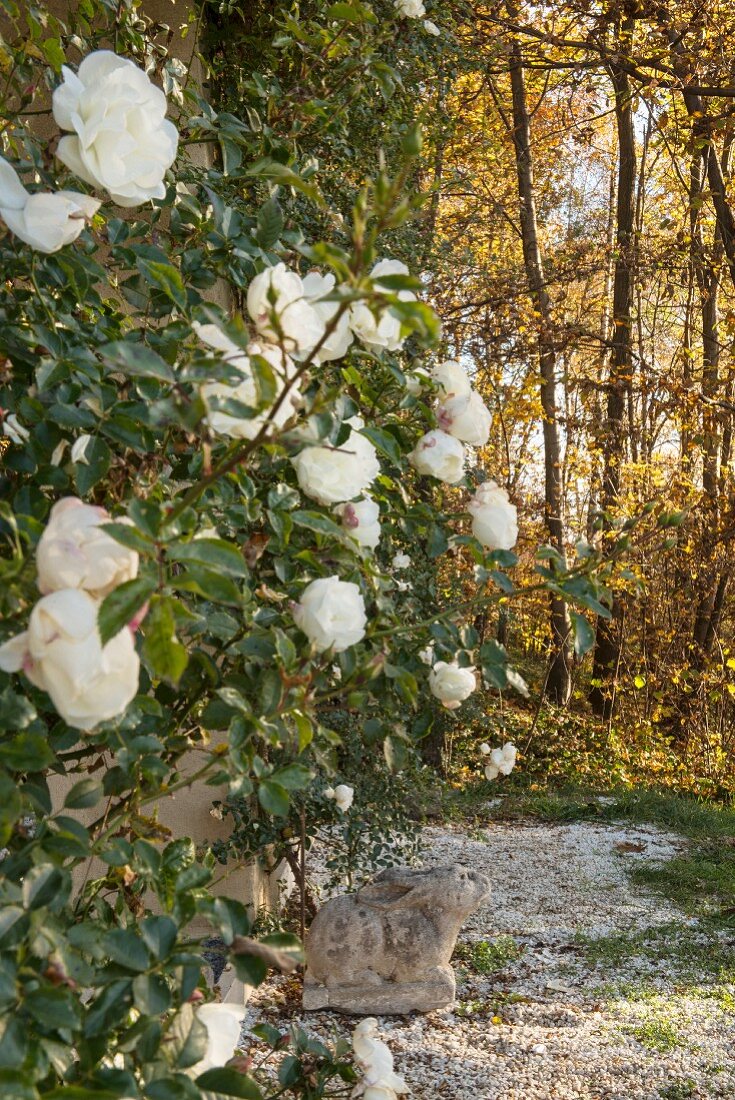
(123, 142)
(426, 655)
(316, 287)
(466, 418)
(74, 551)
(342, 795)
(516, 681)
(61, 653)
(431, 28)
(401, 561)
(281, 292)
(239, 427)
(501, 761)
(380, 1081)
(383, 331)
(439, 455)
(224, 1023)
(450, 684)
(452, 378)
(362, 521)
(14, 430)
(410, 9)
(494, 518)
(333, 475)
(485, 749)
(47, 220)
(331, 613)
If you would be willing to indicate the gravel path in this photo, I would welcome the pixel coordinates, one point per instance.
(560, 1019)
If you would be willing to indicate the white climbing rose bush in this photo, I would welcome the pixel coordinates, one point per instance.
(217, 488)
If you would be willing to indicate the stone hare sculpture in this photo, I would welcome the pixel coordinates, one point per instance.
(386, 949)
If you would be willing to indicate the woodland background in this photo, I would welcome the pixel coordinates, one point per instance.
(583, 241)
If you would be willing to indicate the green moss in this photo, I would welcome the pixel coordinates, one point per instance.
(488, 956)
(657, 1033)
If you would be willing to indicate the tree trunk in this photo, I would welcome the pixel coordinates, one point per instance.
(608, 641)
(559, 679)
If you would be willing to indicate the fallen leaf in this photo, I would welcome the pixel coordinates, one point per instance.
(630, 846)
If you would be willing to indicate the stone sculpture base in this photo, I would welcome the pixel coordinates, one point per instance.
(380, 998)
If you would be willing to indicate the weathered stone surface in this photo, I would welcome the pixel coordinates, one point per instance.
(386, 949)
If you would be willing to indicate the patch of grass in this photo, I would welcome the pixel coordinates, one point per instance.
(701, 880)
(692, 817)
(694, 953)
(488, 956)
(656, 1031)
(679, 1090)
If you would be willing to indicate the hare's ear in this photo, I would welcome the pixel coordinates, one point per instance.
(385, 895)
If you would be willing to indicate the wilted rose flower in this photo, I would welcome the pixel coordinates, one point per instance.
(331, 613)
(74, 551)
(501, 761)
(240, 427)
(332, 475)
(362, 521)
(494, 518)
(79, 449)
(374, 1058)
(122, 140)
(316, 288)
(452, 378)
(401, 561)
(47, 220)
(342, 795)
(224, 1023)
(280, 292)
(451, 684)
(416, 380)
(61, 653)
(384, 330)
(410, 9)
(439, 455)
(14, 430)
(467, 418)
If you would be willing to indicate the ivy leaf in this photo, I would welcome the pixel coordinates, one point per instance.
(273, 798)
(215, 553)
(164, 277)
(384, 442)
(494, 660)
(133, 358)
(584, 635)
(218, 1084)
(294, 777)
(165, 654)
(122, 604)
(85, 793)
(97, 458)
(270, 224)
